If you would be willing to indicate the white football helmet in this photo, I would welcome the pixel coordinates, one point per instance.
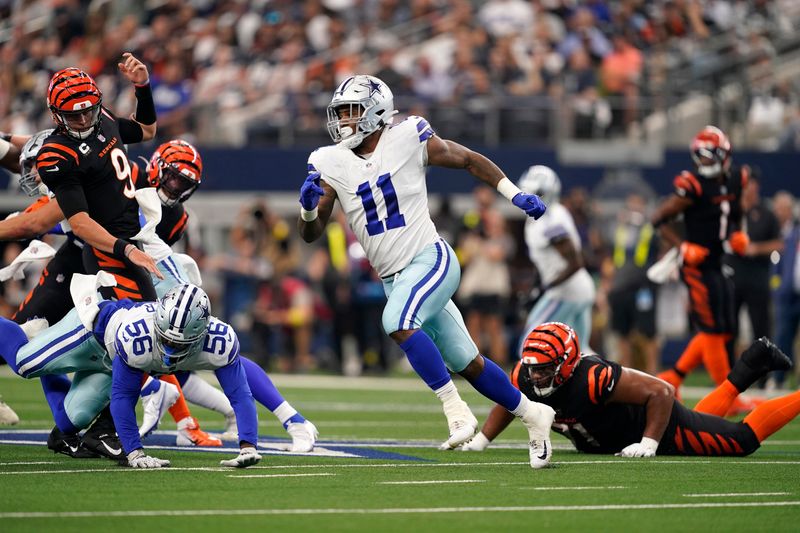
(541, 181)
(29, 180)
(361, 105)
(182, 318)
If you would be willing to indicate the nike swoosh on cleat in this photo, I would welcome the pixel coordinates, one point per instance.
(73, 449)
(113, 451)
(544, 453)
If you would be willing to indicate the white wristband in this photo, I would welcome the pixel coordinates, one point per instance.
(308, 216)
(650, 444)
(507, 188)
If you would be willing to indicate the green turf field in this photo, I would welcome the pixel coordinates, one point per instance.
(423, 490)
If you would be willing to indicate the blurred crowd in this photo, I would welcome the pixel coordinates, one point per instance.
(243, 72)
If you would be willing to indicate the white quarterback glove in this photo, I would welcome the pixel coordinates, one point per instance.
(247, 457)
(478, 443)
(646, 448)
(139, 459)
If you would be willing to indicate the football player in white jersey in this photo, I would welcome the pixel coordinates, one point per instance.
(110, 345)
(377, 172)
(554, 246)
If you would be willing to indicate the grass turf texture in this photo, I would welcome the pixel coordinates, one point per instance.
(490, 491)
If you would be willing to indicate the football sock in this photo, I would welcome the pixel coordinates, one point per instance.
(182, 377)
(287, 414)
(715, 356)
(426, 359)
(773, 414)
(264, 391)
(495, 385)
(718, 401)
(691, 356)
(150, 386)
(55, 388)
(200, 392)
(180, 409)
(12, 338)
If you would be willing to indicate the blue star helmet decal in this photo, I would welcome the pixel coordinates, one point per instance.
(373, 86)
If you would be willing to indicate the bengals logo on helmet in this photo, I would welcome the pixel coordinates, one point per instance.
(176, 169)
(74, 100)
(550, 354)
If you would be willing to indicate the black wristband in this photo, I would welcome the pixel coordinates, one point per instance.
(145, 107)
(6, 136)
(119, 247)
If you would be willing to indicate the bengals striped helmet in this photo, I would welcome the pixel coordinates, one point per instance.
(74, 100)
(175, 169)
(550, 354)
(711, 152)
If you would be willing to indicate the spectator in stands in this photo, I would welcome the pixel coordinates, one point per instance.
(619, 74)
(172, 95)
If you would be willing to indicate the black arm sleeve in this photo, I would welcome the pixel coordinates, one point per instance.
(130, 131)
(145, 107)
(70, 196)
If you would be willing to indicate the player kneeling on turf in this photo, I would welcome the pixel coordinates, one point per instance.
(177, 333)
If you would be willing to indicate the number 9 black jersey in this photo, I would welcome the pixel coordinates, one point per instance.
(94, 175)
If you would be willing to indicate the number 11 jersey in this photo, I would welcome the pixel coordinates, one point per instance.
(384, 195)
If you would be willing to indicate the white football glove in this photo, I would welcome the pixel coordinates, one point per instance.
(247, 457)
(478, 443)
(646, 448)
(139, 459)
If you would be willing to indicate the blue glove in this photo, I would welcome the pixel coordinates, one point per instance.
(311, 191)
(530, 203)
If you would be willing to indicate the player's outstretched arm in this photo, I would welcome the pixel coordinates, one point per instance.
(449, 154)
(498, 420)
(658, 396)
(31, 224)
(145, 114)
(316, 204)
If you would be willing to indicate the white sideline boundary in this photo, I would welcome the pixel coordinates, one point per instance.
(389, 511)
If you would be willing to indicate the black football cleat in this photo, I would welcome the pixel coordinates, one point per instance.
(68, 445)
(764, 356)
(102, 439)
(757, 361)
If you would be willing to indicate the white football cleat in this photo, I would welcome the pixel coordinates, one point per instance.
(34, 326)
(231, 429)
(538, 420)
(304, 436)
(461, 423)
(155, 405)
(7, 415)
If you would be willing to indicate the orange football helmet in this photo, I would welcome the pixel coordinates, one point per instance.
(175, 169)
(711, 152)
(550, 354)
(74, 100)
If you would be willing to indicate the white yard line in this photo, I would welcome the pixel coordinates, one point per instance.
(399, 510)
(283, 475)
(29, 463)
(730, 494)
(410, 464)
(431, 482)
(571, 488)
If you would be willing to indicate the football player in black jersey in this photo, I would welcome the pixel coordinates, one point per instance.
(711, 207)
(50, 298)
(84, 163)
(603, 407)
